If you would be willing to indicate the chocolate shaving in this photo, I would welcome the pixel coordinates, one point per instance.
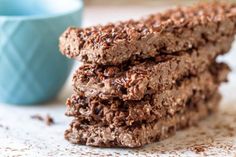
(47, 119)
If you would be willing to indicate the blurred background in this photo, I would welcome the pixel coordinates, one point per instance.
(142, 2)
(102, 11)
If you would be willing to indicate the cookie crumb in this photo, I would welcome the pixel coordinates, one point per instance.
(48, 119)
(37, 116)
(198, 148)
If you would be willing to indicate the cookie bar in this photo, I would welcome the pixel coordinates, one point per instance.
(172, 31)
(153, 106)
(144, 133)
(132, 82)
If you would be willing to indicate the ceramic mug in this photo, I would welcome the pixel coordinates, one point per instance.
(32, 70)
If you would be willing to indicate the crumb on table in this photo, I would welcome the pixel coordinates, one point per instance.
(47, 119)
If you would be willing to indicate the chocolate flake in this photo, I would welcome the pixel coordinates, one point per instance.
(47, 119)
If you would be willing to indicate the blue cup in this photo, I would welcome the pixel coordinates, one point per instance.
(32, 70)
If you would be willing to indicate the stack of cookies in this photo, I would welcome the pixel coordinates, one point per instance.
(143, 80)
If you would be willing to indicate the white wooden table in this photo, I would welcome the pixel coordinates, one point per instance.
(22, 136)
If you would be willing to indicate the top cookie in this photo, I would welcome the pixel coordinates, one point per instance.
(175, 30)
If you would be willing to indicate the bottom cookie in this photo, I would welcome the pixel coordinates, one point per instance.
(143, 133)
